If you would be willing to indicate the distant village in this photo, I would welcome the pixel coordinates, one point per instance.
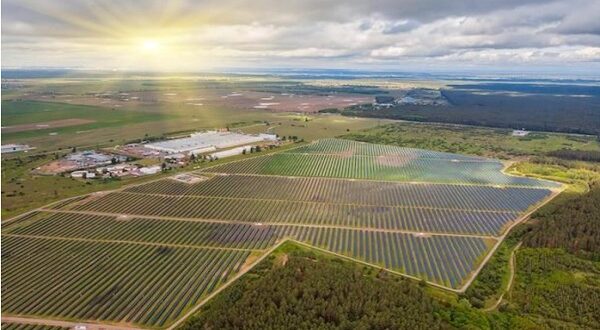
(416, 96)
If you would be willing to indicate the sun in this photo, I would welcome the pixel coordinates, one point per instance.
(150, 45)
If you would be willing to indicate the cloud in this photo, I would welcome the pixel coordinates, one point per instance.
(386, 33)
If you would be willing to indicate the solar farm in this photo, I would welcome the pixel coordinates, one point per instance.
(145, 255)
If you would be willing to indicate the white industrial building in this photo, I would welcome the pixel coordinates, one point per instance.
(149, 170)
(208, 141)
(520, 132)
(8, 148)
(231, 152)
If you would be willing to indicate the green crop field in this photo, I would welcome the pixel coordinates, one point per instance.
(169, 244)
(28, 112)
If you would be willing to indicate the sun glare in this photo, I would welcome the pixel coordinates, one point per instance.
(150, 45)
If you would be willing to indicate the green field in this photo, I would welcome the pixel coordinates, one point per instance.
(32, 112)
(155, 121)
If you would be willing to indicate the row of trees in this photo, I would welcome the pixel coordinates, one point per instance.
(588, 156)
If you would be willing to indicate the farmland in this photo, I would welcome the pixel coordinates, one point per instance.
(22, 117)
(169, 244)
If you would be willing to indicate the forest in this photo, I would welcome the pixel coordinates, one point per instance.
(301, 290)
(588, 156)
(544, 112)
(574, 227)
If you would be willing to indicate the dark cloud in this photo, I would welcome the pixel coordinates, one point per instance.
(402, 26)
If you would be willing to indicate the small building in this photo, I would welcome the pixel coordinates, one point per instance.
(175, 157)
(83, 175)
(520, 132)
(149, 170)
(268, 137)
(8, 148)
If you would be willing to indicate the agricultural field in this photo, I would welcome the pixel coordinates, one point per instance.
(54, 113)
(29, 119)
(169, 244)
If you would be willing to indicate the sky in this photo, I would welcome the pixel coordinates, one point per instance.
(186, 35)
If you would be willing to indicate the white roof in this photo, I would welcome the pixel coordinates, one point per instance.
(203, 140)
